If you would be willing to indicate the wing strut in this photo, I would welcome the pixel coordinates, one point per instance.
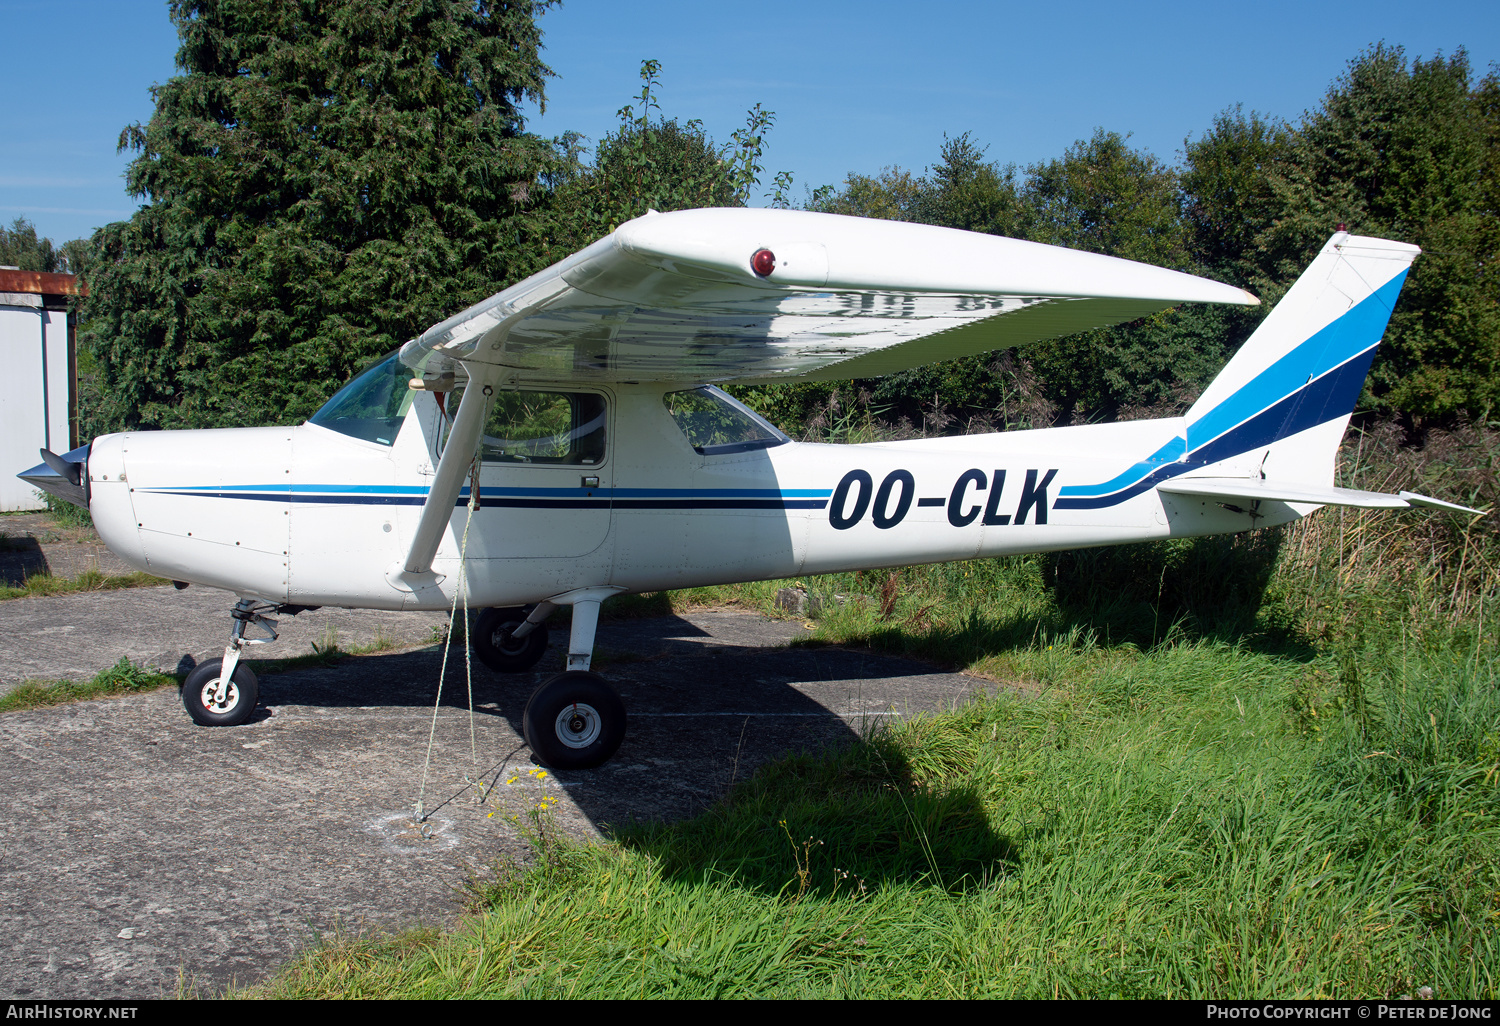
(458, 454)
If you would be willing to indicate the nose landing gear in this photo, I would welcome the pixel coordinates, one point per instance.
(221, 692)
(216, 699)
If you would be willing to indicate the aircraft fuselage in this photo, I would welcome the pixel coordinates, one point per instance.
(309, 516)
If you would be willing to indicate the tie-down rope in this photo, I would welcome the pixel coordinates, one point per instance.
(461, 592)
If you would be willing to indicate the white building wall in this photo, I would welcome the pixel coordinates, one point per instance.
(33, 415)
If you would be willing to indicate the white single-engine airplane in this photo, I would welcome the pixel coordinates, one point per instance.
(576, 403)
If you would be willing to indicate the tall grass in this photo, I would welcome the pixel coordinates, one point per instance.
(1416, 565)
(1182, 834)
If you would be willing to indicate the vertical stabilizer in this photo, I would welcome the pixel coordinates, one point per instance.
(1280, 406)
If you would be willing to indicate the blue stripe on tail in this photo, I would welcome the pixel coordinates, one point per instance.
(1318, 381)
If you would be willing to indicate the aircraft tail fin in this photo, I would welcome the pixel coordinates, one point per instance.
(1280, 406)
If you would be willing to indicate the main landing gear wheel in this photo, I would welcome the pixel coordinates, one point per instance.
(496, 648)
(574, 721)
(214, 702)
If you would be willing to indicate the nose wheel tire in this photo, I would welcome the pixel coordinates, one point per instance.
(574, 721)
(499, 651)
(214, 702)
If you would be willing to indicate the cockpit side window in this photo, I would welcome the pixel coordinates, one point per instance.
(542, 427)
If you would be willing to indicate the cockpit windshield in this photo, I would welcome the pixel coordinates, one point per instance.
(373, 405)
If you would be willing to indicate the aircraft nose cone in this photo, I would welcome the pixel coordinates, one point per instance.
(64, 476)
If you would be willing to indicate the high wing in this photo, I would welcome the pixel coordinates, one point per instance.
(676, 297)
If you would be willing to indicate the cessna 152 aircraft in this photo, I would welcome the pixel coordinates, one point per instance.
(578, 406)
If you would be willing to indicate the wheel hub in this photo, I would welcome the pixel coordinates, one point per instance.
(578, 725)
(220, 695)
(504, 640)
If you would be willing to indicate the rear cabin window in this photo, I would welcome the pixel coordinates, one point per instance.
(715, 423)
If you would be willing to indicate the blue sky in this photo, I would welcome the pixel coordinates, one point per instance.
(855, 86)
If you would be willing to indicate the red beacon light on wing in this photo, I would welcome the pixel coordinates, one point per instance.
(763, 262)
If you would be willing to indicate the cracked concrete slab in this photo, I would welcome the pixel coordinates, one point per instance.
(139, 846)
(73, 637)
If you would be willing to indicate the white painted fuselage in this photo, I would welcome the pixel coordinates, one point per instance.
(308, 516)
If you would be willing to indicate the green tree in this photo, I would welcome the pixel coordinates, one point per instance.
(889, 196)
(1408, 152)
(21, 247)
(1228, 194)
(1105, 197)
(651, 162)
(323, 181)
(969, 193)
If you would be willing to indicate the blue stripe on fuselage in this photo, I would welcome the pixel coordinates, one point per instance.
(1318, 381)
(1325, 399)
(522, 498)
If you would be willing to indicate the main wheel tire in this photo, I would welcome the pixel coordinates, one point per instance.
(574, 721)
(213, 702)
(496, 648)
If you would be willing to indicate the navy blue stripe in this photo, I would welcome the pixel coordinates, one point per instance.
(1328, 398)
(1144, 485)
(507, 502)
(720, 503)
(484, 503)
(1325, 399)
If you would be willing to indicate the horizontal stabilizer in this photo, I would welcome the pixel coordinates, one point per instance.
(1431, 503)
(1250, 489)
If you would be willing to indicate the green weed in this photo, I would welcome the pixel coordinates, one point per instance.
(38, 585)
(124, 678)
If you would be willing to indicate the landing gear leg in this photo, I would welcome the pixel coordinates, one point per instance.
(221, 692)
(576, 720)
(581, 642)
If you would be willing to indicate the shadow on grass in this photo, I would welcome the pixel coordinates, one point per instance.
(1212, 587)
(1141, 596)
(845, 821)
